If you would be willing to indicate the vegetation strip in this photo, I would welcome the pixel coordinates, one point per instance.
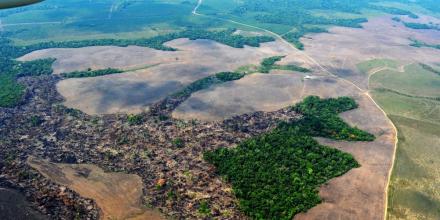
(222, 77)
(208, 82)
(165, 107)
(276, 175)
(91, 73)
(268, 64)
(406, 95)
(418, 43)
(429, 68)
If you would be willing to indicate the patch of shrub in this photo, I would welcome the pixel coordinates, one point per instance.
(268, 64)
(418, 43)
(134, 119)
(429, 68)
(35, 120)
(178, 143)
(204, 208)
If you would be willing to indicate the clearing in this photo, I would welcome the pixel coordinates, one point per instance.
(118, 195)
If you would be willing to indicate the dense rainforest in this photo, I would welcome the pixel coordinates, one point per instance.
(276, 175)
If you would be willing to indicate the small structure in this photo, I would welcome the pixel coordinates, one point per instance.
(309, 77)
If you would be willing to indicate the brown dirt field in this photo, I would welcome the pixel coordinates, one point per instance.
(256, 92)
(72, 59)
(117, 194)
(132, 92)
(342, 48)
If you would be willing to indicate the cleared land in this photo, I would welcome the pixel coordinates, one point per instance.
(117, 194)
(133, 91)
(344, 49)
(78, 59)
(256, 92)
(343, 197)
(407, 97)
(380, 38)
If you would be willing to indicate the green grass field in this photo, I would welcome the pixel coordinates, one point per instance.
(367, 66)
(82, 19)
(413, 192)
(414, 81)
(59, 20)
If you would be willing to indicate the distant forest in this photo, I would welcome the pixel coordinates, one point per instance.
(298, 14)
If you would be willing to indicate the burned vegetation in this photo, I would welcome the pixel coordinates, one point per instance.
(168, 154)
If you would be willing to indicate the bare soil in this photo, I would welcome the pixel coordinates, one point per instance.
(133, 92)
(342, 48)
(117, 194)
(256, 92)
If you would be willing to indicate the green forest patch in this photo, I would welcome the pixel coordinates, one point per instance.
(91, 73)
(277, 175)
(11, 92)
